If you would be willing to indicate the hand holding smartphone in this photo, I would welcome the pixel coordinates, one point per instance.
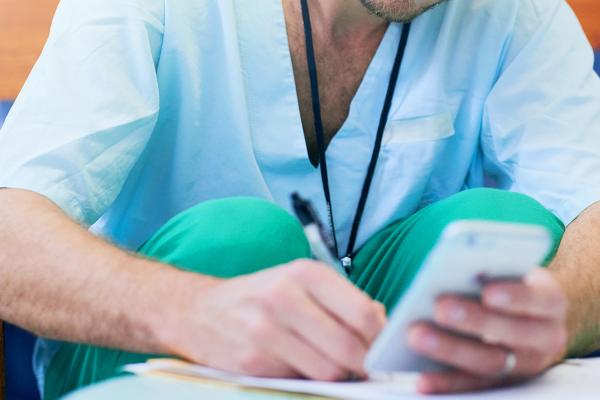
(468, 255)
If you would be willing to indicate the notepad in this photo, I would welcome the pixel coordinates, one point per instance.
(577, 379)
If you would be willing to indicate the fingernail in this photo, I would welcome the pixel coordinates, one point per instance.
(538, 276)
(456, 314)
(499, 298)
(425, 386)
(429, 341)
(493, 340)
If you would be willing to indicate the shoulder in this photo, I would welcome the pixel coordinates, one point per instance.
(514, 16)
(503, 27)
(74, 13)
(500, 10)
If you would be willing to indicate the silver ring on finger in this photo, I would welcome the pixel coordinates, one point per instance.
(510, 363)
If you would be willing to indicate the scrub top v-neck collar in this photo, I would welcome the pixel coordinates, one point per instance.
(289, 147)
(272, 103)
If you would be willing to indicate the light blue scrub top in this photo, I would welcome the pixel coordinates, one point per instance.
(139, 109)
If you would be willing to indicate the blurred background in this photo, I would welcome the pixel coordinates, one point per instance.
(24, 27)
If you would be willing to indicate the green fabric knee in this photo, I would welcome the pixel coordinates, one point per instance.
(386, 265)
(223, 238)
(229, 237)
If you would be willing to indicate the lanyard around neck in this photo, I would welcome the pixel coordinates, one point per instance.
(320, 136)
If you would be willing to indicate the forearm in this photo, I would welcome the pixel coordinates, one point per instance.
(61, 282)
(577, 267)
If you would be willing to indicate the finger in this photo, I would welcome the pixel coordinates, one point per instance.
(304, 358)
(347, 303)
(454, 382)
(251, 359)
(233, 352)
(276, 351)
(473, 357)
(465, 354)
(471, 318)
(317, 327)
(540, 296)
(259, 365)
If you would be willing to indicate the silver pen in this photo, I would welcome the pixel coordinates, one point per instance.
(321, 244)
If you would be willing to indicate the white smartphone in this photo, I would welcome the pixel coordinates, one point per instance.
(468, 254)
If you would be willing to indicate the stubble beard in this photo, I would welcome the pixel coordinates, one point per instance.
(399, 10)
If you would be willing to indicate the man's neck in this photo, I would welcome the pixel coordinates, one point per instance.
(344, 21)
(346, 38)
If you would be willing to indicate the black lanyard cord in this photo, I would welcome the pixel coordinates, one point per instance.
(320, 136)
(318, 119)
(377, 148)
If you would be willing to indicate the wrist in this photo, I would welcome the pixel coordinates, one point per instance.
(581, 340)
(176, 293)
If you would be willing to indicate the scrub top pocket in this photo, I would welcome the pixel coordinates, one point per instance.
(416, 143)
(419, 129)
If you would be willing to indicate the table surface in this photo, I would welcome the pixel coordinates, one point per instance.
(576, 379)
(134, 387)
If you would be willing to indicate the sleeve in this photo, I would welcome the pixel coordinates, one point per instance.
(89, 106)
(541, 125)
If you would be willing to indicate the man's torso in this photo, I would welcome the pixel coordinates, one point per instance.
(241, 117)
(185, 101)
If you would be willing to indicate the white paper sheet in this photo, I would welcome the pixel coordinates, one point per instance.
(577, 379)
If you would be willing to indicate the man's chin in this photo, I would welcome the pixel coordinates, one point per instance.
(399, 10)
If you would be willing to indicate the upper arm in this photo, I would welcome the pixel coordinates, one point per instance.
(541, 128)
(89, 106)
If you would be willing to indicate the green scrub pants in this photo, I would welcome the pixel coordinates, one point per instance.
(237, 236)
